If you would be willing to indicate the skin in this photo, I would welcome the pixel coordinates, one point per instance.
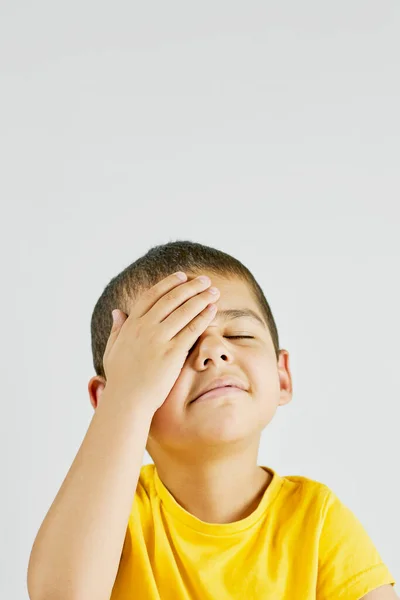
(206, 453)
(385, 592)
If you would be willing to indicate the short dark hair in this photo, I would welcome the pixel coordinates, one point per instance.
(159, 262)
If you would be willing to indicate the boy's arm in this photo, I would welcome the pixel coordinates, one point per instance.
(78, 547)
(385, 592)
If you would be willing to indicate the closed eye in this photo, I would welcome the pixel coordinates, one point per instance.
(230, 337)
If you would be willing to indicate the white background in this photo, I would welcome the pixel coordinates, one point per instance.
(269, 130)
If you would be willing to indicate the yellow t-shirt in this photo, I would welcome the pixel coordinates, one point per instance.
(300, 543)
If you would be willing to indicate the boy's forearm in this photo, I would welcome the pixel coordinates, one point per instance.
(78, 547)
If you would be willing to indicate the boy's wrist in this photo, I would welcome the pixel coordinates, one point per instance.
(135, 402)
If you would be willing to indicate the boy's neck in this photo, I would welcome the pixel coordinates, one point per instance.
(223, 497)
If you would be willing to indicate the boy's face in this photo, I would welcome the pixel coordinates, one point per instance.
(179, 425)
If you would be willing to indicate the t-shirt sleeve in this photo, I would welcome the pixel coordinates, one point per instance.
(349, 565)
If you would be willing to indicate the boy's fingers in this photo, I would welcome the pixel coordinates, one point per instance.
(151, 296)
(119, 319)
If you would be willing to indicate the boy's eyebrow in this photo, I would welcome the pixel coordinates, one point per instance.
(235, 313)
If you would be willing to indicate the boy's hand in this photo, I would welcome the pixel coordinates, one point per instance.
(146, 350)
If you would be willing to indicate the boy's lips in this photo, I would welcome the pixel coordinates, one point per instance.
(221, 382)
(220, 391)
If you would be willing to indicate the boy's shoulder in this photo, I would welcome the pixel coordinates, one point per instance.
(307, 483)
(306, 489)
(299, 480)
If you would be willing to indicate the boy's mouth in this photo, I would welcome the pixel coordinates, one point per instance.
(226, 382)
(215, 392)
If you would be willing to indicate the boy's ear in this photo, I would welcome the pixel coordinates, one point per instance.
(285, 397)
(96, 387)
(285, 378)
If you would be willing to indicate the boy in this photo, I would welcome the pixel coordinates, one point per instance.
(204, 521)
